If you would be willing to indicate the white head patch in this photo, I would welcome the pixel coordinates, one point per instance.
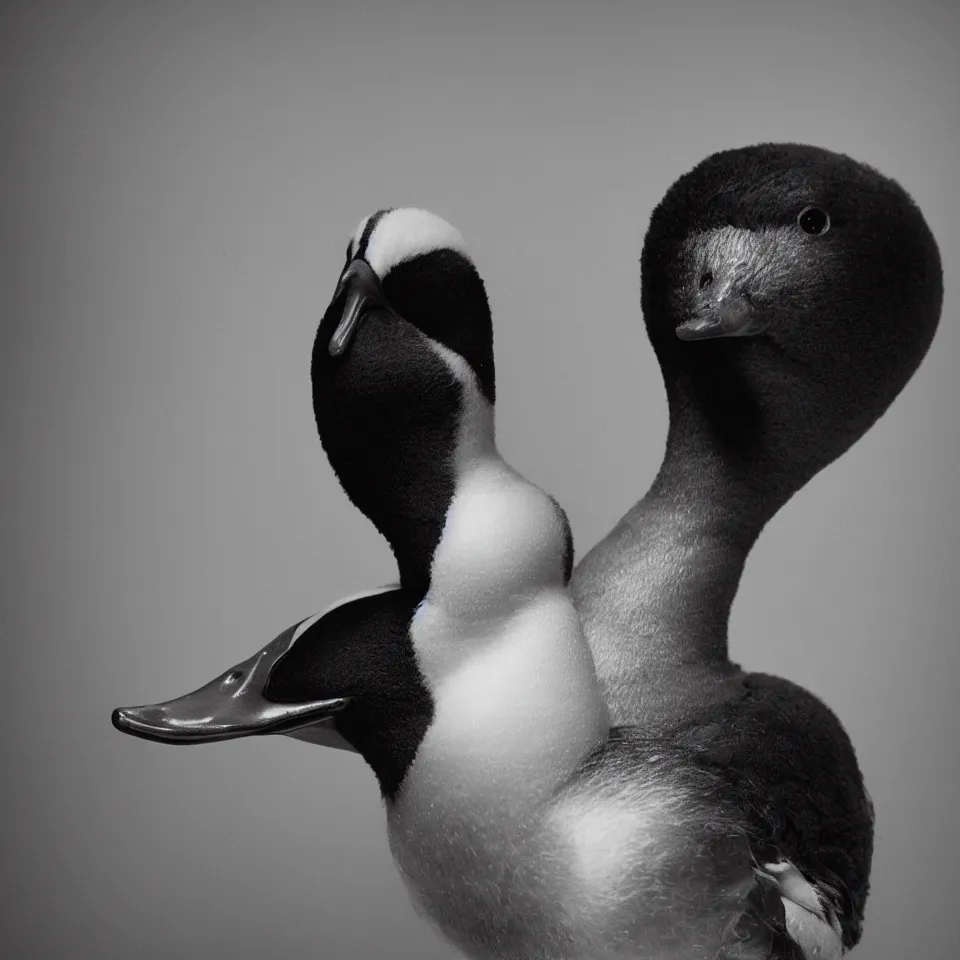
(403, 234)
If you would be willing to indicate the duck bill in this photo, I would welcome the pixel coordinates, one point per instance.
(362, 288)
(233, 706)
(732, 316)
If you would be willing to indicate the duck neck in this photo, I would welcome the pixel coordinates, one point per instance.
(411, 515)
(404, 480)
(696, 526)
(516, 700)
(655, 595)
(388, 415)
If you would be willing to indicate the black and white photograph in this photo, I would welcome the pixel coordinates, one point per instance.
(481, 479)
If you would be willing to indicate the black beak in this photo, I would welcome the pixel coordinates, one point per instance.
(228, 707)
(363, 291)
(733, 315)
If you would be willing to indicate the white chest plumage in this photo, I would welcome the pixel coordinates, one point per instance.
(524, 828)
(501, 840)
(516, 706)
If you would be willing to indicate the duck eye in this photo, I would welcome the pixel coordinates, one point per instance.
(814, 221)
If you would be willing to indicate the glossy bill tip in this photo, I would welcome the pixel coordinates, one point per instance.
(156, 722)
(347, 327)
(363, 291)
(229, 706)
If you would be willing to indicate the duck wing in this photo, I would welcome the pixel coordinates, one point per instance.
(770, 853)
(760, 932)
(781, 760)
(783, 920)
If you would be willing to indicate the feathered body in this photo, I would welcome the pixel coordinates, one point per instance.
(731, 823)
(789, 293)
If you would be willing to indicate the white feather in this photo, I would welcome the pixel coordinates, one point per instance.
(407, 233)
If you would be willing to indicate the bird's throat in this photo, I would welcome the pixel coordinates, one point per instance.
(655, 595)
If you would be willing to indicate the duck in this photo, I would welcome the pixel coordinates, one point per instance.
(789, 293)
(467, 686)
(522, 822)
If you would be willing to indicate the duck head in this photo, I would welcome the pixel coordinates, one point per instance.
(406, 337)
(344, 678)
(403, 350)
(789, 293)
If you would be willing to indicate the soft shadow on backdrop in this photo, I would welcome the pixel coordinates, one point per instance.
(178, 184)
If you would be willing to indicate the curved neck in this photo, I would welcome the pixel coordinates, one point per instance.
(497, 636)
(655, 594)
(437, 467)
(389, 420)
(693, 531)
(503, 653)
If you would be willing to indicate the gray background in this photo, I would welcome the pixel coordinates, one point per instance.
(179, 181)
